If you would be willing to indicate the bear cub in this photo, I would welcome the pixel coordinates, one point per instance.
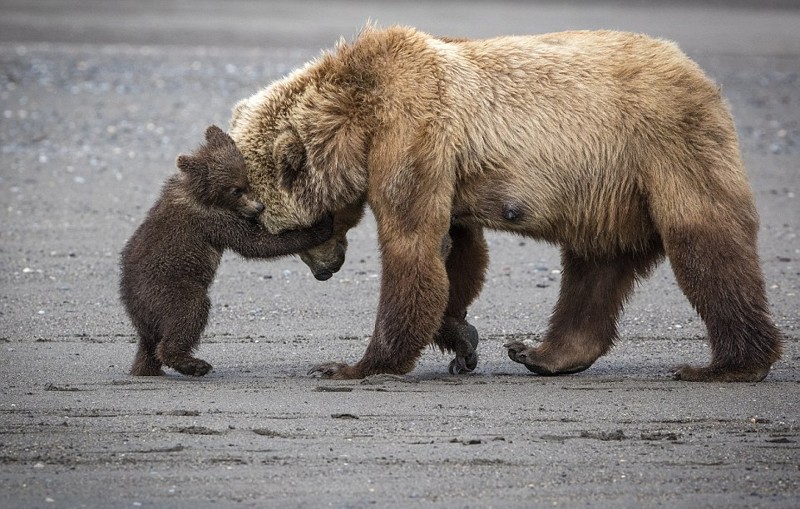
(170, 261)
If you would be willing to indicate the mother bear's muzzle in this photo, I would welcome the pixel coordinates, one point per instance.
(325, 259)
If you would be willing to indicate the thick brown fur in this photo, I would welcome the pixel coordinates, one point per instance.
(613, 145)
(170, 261)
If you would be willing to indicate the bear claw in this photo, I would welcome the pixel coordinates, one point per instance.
(462, 338)
(516, 351)
(540, 364)
(328, 369)
(463, 364)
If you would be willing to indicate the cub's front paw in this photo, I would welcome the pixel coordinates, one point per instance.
(336, 371)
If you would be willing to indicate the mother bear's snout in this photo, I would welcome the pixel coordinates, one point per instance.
(326, 259)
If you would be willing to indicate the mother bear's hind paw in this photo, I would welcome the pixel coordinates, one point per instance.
(335, 371)
(547, 362)
(719, 374)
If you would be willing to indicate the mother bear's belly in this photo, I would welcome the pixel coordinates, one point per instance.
(598, 213)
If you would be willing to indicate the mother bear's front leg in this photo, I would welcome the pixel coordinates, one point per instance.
(414, 282)
(414, 290)
(466, 262)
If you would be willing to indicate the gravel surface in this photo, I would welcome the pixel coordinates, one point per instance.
(92, 119)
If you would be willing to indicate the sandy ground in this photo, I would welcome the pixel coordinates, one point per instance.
(98, 98)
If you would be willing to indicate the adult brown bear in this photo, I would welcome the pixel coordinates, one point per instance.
(614, 146)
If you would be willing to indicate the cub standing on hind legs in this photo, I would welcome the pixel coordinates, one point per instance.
(170, 261)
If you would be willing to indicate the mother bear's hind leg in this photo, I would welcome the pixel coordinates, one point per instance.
(717, 268)
(584, 322)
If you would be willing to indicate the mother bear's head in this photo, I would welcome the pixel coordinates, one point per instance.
(305, 142)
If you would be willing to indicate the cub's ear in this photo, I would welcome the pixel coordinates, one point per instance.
(290, 158)
(187, 164)
(217, 137)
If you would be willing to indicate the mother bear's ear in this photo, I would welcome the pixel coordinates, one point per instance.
(290, 158)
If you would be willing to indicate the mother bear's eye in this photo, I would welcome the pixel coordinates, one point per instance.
(290, 157)
(511, 212)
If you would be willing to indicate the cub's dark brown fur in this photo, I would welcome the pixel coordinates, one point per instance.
(170, 261)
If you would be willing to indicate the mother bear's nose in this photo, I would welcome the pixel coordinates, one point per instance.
(323, 275)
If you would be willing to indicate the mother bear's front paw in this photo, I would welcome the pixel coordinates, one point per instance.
(336, 371)
(459, 336)
(463, 364)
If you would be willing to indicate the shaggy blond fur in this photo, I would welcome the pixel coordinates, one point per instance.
(613, 145)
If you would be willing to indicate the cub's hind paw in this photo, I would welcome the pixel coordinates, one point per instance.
(146, 364)
(147, 371)
(191, 366)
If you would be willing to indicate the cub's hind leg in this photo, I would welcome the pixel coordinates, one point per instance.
(146, 363)
(583, 325)
(181, 332)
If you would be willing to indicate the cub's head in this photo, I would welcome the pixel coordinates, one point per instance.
(216, 175)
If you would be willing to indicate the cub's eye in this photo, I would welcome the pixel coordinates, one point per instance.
(237, 191)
